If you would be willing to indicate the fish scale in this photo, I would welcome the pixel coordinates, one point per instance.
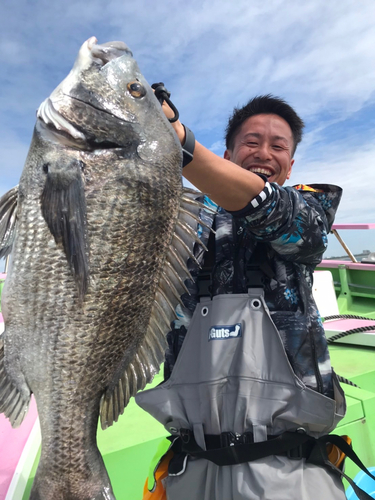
(99, 232)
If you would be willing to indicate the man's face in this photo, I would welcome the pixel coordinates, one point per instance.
(264, 145)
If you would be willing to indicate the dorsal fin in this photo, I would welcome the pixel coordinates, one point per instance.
(146, 361)
(8, 218)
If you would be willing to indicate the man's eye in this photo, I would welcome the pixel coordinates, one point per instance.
(276, 146)
(252, 143)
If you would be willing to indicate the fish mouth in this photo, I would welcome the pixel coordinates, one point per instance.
(55, 127)
(53, 119)
(50, 133)
(104, 52)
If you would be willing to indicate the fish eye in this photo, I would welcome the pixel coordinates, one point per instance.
(136, 89)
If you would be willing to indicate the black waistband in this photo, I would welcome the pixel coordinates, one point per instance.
(229, 448)
(214, 442)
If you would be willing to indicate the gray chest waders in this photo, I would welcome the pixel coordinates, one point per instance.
(232, 384)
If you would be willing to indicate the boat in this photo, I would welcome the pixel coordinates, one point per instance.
(345, 293)
(347, 305)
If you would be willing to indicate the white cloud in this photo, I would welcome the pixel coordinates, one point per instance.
(218, 147)
(219, 54)
(354, 172)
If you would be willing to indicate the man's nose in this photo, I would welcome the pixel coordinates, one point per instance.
(263, 152)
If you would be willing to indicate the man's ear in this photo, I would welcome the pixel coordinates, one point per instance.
(290, 169)
(227, 154)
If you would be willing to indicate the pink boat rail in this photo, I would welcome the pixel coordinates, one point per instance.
(353, 226)
(12, 442)
(333, 263)
(343, 325)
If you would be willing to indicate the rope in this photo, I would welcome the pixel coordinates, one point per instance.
(332, 339)
(350, 332)
(343, 316)
(346, 381)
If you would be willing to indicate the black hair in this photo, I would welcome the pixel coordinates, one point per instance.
(260, 105)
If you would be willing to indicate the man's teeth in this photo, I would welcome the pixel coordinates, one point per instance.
(264, 171)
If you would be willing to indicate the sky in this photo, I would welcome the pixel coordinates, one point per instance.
(215, 55)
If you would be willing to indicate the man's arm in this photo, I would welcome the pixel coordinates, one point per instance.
(294, 222)
(227, 184)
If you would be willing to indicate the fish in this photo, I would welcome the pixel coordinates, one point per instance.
(98, 233)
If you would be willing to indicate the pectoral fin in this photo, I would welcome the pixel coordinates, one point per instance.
(63, 206)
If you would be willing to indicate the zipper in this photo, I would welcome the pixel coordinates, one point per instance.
(318, 376)
(237, 232)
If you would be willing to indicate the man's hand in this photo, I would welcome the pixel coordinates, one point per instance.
(177, 125)
(162, 94)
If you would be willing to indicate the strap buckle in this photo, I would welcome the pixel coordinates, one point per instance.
(295, 453)
(185, 435)
(233, 438)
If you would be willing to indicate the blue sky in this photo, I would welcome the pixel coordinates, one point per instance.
(214, 55)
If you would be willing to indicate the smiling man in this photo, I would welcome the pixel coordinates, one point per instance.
(263, 144)
(252, 387)
(261, 138)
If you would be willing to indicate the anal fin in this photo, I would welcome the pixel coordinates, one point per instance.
(13, 403)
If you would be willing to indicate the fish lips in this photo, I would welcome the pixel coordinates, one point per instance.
(81, 125)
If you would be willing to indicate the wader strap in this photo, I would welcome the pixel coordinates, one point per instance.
(294, 445)
(291, 444)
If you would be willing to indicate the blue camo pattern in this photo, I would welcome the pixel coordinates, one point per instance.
(290, 228)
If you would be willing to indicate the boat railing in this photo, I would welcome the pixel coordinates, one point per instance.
(336, 227)
(354, 281)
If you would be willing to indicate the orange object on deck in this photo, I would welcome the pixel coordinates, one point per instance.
(158, 492)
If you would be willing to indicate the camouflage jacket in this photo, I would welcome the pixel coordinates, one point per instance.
(289, 226)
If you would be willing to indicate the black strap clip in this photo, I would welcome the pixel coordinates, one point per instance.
(185, 435)
(162, 94)
(295, 453)
(298, 452)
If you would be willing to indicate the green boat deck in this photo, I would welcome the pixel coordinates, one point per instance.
(354, 286)
(357, 364)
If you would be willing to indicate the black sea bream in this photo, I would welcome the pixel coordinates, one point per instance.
(98, 232)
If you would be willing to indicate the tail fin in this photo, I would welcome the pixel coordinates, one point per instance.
(80, 482)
